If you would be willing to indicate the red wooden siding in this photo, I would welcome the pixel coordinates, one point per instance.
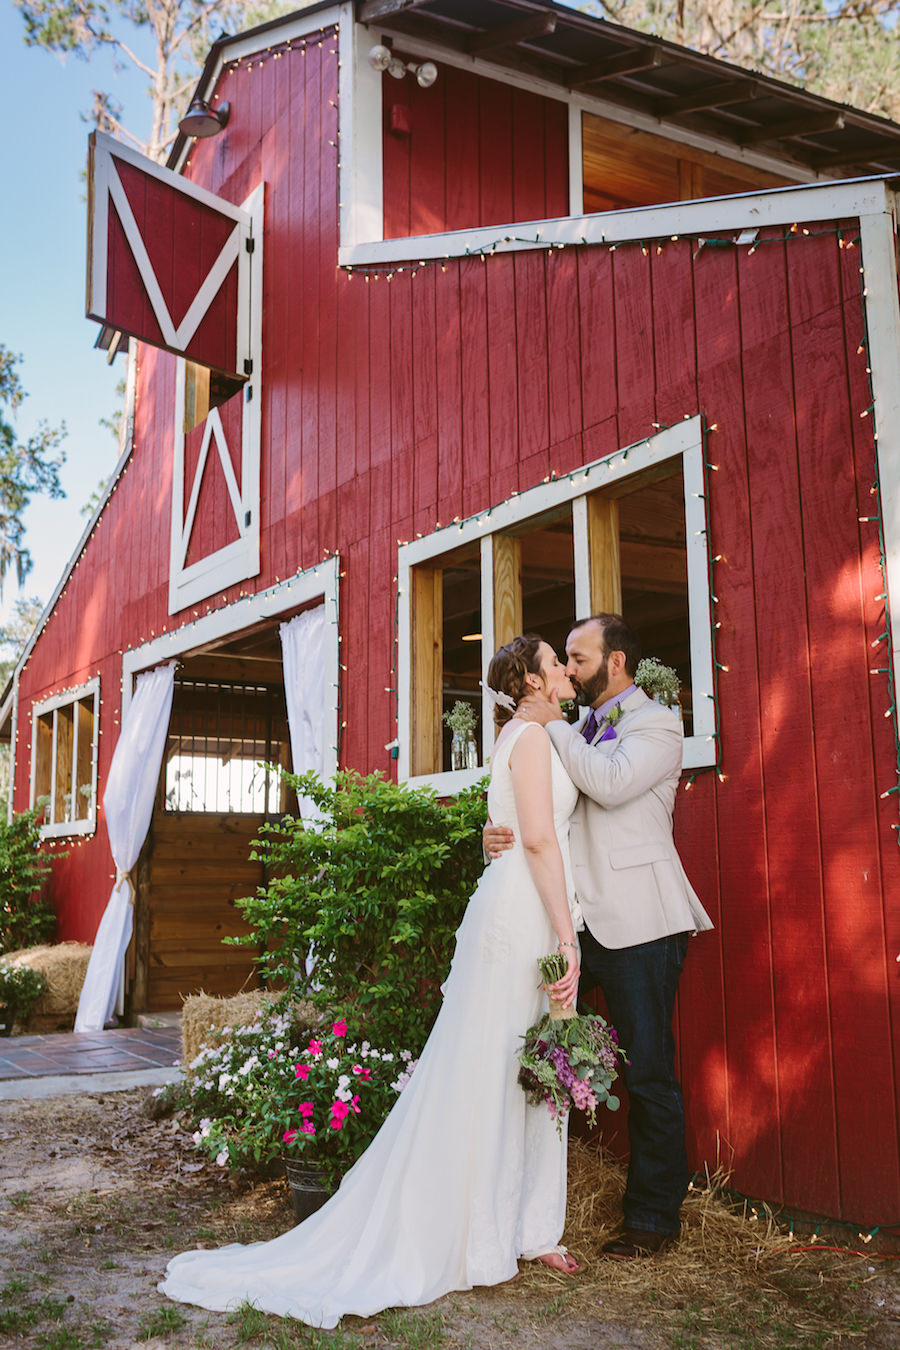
(475, 153)
(391, 406)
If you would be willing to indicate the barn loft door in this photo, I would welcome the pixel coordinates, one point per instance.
(215, 525)
(168, 262)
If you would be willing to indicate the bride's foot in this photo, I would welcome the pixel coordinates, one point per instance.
(561, 1260)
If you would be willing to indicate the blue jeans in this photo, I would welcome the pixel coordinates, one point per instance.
(639, 984)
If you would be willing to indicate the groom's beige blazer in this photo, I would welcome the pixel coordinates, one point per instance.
(628, 877)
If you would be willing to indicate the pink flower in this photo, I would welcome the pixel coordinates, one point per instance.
(339, 1110)
(307, 1127)
(315, 1048)
(355, 1104)
(305, 1108)
(340, 1028)
(301, 1071)
(357, 1068)
(272, 1054)
(337, 1124)
(289, 1136)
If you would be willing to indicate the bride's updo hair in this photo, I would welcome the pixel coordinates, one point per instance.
(508, 668)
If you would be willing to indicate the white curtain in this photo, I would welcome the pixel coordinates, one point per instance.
(128, 802)
(305, 691)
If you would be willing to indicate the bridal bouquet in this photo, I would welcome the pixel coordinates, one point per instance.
(569, 1062)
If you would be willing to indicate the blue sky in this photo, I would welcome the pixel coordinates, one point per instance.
(42, 278)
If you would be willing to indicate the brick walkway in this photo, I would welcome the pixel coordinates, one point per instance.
(119, 1050)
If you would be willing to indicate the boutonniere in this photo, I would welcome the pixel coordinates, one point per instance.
(614, 714)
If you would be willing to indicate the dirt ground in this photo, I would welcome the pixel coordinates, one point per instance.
(95, 1196)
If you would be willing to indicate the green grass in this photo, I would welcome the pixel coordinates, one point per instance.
(160, 1322)
(21, 1200)
(417, 1331)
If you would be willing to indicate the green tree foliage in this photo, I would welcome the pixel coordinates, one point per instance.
(848, 50)
(26, 467)
(13, 637)
(26, 918)
(377, 889)
(174, 34)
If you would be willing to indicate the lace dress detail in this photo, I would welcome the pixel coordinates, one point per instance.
(464, 1176)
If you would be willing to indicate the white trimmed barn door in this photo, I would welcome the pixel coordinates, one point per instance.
(168, 262)
(179, 268)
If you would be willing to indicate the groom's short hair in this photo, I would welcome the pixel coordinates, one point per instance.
(617, 636)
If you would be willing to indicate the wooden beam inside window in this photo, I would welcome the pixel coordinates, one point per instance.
(603, 553)
(507, 588)
(427, 669)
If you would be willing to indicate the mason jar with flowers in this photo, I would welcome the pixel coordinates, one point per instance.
(314, 1098)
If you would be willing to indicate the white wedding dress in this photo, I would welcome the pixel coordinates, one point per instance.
(464, 1176)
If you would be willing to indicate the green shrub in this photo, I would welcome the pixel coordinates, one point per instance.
(26, 919)
(20, 988)
(378, 890)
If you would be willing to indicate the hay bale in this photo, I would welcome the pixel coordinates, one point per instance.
(63, 965)
(207, 1020)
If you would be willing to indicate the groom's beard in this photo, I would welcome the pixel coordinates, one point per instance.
(591, 690)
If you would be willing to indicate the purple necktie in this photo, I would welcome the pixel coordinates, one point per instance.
(589, 730)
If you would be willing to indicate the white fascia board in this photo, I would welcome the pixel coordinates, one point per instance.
(708, 216)
(879, 263)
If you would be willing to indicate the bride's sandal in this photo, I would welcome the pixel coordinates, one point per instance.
(560, 1259)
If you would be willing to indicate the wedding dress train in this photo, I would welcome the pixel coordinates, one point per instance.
(464, 1176)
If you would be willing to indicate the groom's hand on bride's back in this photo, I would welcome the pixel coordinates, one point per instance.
(496, 839)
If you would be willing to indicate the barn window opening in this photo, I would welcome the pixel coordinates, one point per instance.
(205, 389)
(225, 741)
(635, 545)
(624, 167)
(64, 760)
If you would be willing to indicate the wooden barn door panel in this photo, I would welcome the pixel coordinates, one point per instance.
(198, 867)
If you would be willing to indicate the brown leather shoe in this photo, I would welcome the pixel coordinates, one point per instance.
(633, 1244)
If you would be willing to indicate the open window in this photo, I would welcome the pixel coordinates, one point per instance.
(625, 534)
(64, 760)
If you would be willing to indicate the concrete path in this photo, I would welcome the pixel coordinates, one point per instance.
(94, 1061)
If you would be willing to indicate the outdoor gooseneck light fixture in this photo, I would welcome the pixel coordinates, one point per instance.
(202, 120)
(381, 58)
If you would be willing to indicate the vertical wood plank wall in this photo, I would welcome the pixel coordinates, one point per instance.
(391, 407)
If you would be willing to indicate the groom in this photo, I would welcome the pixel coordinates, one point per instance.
(638, 905)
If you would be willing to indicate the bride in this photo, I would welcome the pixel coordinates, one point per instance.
(464, 1176)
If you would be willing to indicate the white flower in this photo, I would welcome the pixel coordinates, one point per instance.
(343, 1080)
(406, 1055)
(387, 1058)
(224, 1080)
(343, 1094)
(222, 1158)
(332, 1063)
(364, 1049)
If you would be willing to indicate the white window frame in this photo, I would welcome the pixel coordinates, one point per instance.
(684, 440)
(52, 705)
(238, 560)
(361, 163)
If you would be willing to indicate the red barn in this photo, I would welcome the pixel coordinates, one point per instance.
(522, 316)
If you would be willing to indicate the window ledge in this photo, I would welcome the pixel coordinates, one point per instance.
(62, 828)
